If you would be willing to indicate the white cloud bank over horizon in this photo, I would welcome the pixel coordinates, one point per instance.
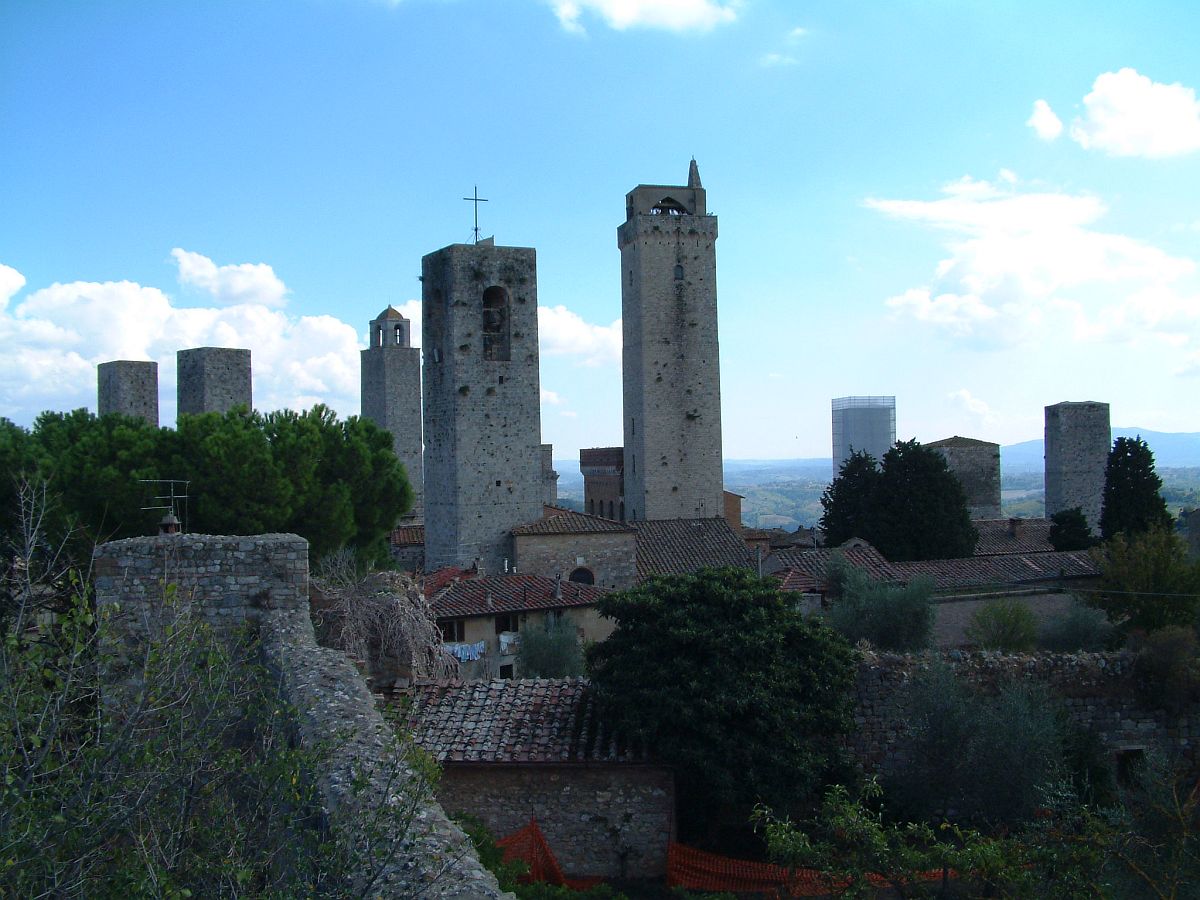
(1025, 267)
(55, 337)
(669, 15)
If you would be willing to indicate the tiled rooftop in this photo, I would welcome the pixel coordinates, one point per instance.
(556, 520)
(1009, 569)
(813, 563)
(438, 580)
(538, 720)
(407, 536)
(682, 546)
(1012, 536)
(492, 594)
(958, 441)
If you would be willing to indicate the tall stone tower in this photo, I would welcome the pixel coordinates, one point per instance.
(671, 370)
(483, 469)
(128, 387)
(390, 371)
(212, 379)
(1078, 438)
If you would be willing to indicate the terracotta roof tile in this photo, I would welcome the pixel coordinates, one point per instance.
(557, 520)
(491, 594)
(537, 720)
(441, 578)
(1000, 569)
(1012, 536)
(407, 536)
(813, 562)
(682, 546)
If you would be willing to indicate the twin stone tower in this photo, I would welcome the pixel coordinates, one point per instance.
(484, 469)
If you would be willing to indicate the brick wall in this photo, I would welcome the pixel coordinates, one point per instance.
(612, 820)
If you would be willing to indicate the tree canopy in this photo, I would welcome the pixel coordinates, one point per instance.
(912, 508)
(1069, 530)
(719, 676)
(1133, 501)
(336, 483)
(1147, 581)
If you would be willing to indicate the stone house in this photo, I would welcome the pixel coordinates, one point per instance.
(515, 750)
(481, 617)
(577, 547)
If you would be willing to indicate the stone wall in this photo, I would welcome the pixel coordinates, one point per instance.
(976, 465)
(261, 582)
(1097, 690)
(599, 819)
(611, 556)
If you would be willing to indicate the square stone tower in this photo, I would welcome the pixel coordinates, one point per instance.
(482, 391)
(670, 364)
(390, 370)
(1078, 438)
(128, 387)
(976, 465)
(213, 379)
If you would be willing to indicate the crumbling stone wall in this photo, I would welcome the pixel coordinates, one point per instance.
(611, 820)
(1097, 690)
(262, 582)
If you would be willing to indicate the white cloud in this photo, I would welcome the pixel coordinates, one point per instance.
(230, 285)
(551, 398)
(1029, 266)
(797, 33)
(772, 60)
(565, 333)
(11, 281)
(1127, 114)
(1044, 122)
(671, 15)
(970, 403)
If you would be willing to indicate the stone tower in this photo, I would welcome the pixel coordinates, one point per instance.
(976, 465)
(670, 365)
(128, 387)
(483, 469)
(1078, 439)
(213, 379)
(391, 392)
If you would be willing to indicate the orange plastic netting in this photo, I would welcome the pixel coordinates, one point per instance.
(529, 846)
(699, 871)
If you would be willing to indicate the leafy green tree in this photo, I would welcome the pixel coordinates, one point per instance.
(550, 651)
(849, 501)
(1147, 581)
(365, 462)
(17, 463)
(720, 677)
(895, 617)
(921, 508)
(912, 508)
(1133, 501)
(1069, 530)
(1081, 627)
(974, 759)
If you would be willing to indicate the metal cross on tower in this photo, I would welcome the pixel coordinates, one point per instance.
(476, 199)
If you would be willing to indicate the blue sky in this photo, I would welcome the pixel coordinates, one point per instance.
(980, 208)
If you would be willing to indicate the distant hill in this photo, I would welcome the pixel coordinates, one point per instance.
(1172, 450)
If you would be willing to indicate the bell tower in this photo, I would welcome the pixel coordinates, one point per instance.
(670, 365)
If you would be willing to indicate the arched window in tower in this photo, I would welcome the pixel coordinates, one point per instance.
(582, 576)
(679, 273)
(496, 324)
(379, 336)
(399, 337)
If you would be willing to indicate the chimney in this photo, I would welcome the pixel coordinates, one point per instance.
(1014, 528)
(558, 586)
(169, 524)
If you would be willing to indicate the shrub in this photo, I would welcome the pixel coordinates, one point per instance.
(1166, 668)
(1003, 624)
(1079, 628)
(550, 652)
(889, 616)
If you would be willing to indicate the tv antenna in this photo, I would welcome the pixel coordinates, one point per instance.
(476, 199)
(172, 496)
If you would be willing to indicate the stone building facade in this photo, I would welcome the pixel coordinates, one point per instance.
(482, 402)
(213, 379)
(1078, 438)
(670, 361)
(603, 471)
(128, 387)
(577, 547)
(976, 465)
(390, 370)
